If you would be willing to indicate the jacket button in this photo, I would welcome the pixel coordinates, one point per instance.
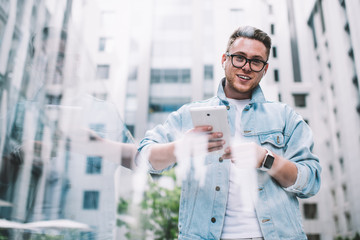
(213, 220)
(217, 188)
(221, 159)
(227, 107)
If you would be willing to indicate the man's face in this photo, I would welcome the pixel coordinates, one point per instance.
(241, 81)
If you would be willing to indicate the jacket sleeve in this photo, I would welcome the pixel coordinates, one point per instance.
(167, 132)
(298, 149)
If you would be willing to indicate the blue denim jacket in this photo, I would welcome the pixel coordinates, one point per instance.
(269, 124)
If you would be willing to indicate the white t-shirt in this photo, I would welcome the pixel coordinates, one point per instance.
(240, 217)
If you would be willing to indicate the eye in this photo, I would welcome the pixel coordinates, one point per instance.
(256, 62)
(239, 58)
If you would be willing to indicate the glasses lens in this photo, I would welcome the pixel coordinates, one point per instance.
(256, 65)
(239, 61)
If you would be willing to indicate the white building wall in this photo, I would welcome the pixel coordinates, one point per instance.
(333, 118)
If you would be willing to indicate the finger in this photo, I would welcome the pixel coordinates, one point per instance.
(215, 145)
(228, 156)
(215, 149)
(205, 128)
(228, 150)
(215, 135)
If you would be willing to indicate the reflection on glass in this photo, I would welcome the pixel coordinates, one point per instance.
(67, 158)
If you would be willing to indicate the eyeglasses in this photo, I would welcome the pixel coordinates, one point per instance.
(239, 61)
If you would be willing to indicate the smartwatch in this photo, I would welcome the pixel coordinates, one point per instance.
(268, 161)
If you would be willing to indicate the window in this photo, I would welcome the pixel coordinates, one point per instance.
(106, 44)
(37, 148)
(300, 100)
(164, 107)
(311, 24)
(310, 210)
(276, 75)
(133, 73)
(131, 129)
(93, 164)
(271, 10)
(331, 168)
(347, 27)
(338, 136)
(18, 124)
(344, 187)
(355, 81)
(155, 75)
(329, 65)
(348, 221)
(54, 100)
(208, 72)
(170, 75)
(274, 52)
(313, 236)
(91, 200)
(272, 29)
(342, 3)
(333, 194)
(337, 225)
(185, 75)
(322, 16)
(102, 71)
(99, 129)
(341, 159)
(101, 96)
(351, 53)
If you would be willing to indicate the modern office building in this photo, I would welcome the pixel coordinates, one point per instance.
(313, 67)
(329, 60)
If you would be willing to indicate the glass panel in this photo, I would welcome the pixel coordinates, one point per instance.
(69, 166)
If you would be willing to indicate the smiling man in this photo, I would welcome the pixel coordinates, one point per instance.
(280, 142)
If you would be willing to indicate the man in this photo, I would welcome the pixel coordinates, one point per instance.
(281, 140)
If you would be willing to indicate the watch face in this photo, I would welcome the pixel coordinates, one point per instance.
(268, 161)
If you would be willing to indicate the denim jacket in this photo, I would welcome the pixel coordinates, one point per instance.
(272, 125)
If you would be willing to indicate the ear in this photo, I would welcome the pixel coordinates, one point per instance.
(223, 60)
(265, 70)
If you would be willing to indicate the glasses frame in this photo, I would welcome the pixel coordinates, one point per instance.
(246, 61)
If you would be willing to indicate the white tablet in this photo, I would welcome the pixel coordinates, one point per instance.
(216, 116)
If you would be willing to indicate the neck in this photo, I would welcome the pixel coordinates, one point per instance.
(231, 93)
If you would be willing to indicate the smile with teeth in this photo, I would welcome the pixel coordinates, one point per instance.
(243, 77)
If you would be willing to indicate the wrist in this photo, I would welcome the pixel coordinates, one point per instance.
(267, 160)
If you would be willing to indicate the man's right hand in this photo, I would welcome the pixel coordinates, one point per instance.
(162, 155)
(215, 142)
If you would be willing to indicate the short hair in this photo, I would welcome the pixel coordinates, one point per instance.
(252, 33)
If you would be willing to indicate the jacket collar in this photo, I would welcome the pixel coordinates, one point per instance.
(256, 97)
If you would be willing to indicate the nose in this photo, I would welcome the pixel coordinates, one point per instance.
(246, 67)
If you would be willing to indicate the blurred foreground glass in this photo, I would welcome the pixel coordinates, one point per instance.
(67, 158)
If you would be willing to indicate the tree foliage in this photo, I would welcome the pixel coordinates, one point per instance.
(157, 215)
(356, 237)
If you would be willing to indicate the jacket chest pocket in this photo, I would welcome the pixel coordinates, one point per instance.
(275, 139)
